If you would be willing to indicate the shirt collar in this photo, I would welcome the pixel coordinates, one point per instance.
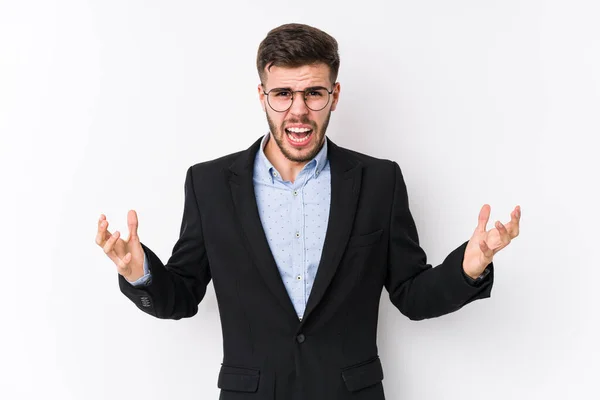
(318, 162)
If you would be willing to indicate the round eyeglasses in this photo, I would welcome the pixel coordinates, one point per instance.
(280, 99)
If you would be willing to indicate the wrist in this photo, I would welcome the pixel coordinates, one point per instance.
(472, 275)
(478, 279)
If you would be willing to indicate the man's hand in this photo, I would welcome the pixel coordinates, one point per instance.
(483, 245)
(128, 254)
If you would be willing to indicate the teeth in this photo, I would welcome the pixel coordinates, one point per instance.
(304, 139)
(298, 130)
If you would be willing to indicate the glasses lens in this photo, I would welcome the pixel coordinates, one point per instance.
(316, 99)
(280, 100)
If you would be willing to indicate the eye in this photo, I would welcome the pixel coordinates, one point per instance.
(314, 93)
(282, 93)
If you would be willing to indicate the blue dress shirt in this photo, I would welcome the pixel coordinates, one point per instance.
(294, 217)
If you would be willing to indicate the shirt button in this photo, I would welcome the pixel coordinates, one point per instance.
(274, 173)
(299, 277)
(297, 234)
(300, 338)
(295, 193)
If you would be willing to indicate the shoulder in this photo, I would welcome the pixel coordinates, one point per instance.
(207, 173)
(219, 163)
(370, 163)
(238, 160)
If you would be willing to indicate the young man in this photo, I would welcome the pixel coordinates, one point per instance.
(299, 237)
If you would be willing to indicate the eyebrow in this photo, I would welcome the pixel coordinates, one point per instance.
(303, 90)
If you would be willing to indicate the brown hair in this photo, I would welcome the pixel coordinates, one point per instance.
(295, 45)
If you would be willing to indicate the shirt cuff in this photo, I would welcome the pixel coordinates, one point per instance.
(477, 281)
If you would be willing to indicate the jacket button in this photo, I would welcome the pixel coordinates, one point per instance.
(300, 338)
(145, 301)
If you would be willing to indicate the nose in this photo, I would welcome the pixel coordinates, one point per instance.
(298, 105)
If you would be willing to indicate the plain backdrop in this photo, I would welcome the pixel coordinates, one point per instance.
(105, 104)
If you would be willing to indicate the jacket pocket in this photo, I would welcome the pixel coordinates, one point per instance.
(238, 379)
(365, 240)
(363, 375)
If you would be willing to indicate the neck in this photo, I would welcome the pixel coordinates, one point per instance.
(288, 169)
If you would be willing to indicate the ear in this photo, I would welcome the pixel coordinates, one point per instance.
(336, 95)
(261, 97)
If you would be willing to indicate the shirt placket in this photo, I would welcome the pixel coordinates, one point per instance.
(299, 256)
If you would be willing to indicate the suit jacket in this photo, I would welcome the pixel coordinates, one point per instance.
(371, 242)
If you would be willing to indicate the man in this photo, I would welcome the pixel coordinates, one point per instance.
(299, 237)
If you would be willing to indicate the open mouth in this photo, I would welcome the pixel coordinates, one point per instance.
(299, 135)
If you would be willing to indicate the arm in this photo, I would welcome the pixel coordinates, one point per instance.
(417, 289)
(174, 290)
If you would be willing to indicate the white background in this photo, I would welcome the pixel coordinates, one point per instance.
(104, 105)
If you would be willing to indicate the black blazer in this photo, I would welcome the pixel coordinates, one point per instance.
(371, 242)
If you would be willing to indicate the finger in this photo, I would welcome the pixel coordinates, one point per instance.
(504, 234)
(513, 225)
(484, 216)
(518, 216)
(132, 223)
(103, 234)
(487, 252)
(515, 216)
(514, 219)
(110, 243)
(122, 264)
(101, 224)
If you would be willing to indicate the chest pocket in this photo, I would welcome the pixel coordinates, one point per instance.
(365, 240)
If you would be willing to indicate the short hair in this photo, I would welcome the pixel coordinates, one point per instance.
(296, 45)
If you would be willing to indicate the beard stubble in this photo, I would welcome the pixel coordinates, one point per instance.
(319, 133)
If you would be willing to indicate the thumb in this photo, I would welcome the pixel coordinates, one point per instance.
(132, 223)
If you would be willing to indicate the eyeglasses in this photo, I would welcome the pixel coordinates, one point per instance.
(280, 99)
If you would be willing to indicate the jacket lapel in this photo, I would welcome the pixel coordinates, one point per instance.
(244, 200)
(346, 174)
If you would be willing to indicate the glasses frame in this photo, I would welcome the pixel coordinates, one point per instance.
(329, 93)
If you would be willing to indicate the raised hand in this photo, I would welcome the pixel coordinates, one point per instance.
(127, 254)
(483, 245)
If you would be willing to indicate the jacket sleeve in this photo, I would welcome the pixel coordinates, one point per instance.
(417, 289)
(174, 290)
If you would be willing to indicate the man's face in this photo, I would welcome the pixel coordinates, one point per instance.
(299, 132)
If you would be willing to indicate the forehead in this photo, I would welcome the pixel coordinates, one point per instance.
(298, 77)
